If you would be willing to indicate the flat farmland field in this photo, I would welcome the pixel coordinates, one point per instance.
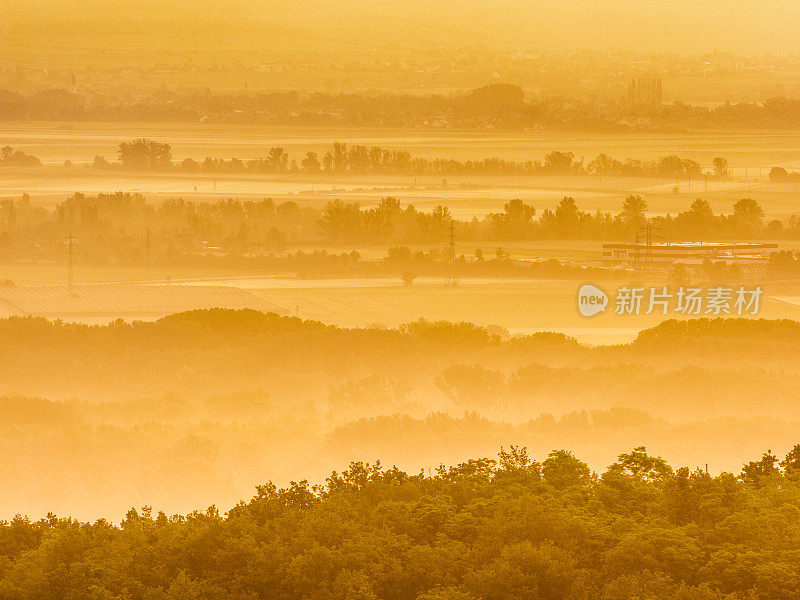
(466, 197)
(519, 306)
(81, 142)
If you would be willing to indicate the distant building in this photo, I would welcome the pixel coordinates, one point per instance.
(750, 257)
(645, 92)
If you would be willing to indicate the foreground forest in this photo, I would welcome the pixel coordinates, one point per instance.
(483, 529)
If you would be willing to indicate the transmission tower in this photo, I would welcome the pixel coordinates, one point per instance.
(451, 274)
(649, 265)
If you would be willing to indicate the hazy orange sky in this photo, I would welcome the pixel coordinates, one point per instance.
(746, 26)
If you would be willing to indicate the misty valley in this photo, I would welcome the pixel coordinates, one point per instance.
(407, 300)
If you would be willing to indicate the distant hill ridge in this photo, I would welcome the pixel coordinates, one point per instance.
(127, 300)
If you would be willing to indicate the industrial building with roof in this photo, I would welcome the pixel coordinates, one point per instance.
(749, 257)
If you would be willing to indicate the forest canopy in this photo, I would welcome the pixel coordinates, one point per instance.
(485, 529)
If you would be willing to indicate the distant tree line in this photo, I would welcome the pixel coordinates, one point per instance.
(141, 358)
(364, 160)
(495, 106)
(124, 227)
(142, 154)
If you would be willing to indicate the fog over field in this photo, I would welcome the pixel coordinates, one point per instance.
(399, 300)
(81, 142)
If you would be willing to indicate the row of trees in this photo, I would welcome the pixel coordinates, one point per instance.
(123, 226)
(356, 159)
(484, 529)
(389, 221)
(362, 160)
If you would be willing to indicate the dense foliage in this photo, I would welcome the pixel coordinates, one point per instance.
(512, 528)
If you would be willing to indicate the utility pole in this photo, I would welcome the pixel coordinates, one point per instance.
(71, 241)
